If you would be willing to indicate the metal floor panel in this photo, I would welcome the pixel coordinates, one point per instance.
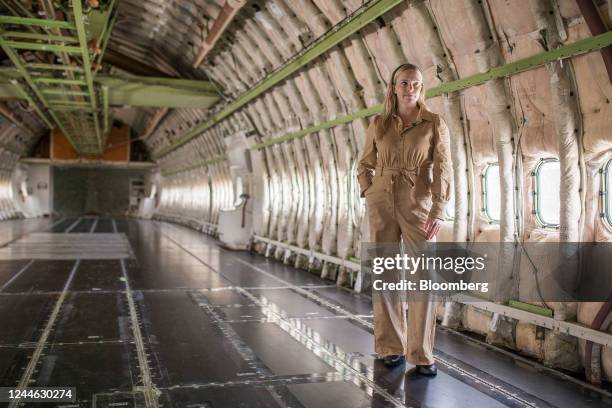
(237, 313)
(84, 226)
(344, 334)
(174, 277)
(12, 361)
(339, 394)
(41, 276)
(80, 319)
(293, 304)
(186, 346)
(22, 317)
(72, 245)
(558, 392)
(104, 225)
(8, 269)
(202, 326)
(240, 396)
(278, 351)
(91, 368)
(98, 274)
(353, 302)
(63, 225)
(13, 229)
(225, 298)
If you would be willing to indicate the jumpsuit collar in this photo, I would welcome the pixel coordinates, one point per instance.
(424, 114)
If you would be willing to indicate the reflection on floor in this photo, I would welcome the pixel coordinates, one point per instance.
(185, 323)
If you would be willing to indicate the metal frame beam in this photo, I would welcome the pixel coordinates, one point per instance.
(40, 22)
(20, 45)
(158, 92)
(75, 106)
(187, 84)
(43, 80)
(66, 102)
(80, 28)
(53, 91)
(365, 16)
(229, 10)
(579, 47)
(106, 108)
(54, 67)
(35, 36)
(105, 37)
(32, 103)
(128, 90)
(26, 76)
(89, 163)
(195, 166)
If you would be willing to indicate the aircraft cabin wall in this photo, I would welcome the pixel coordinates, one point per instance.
(506, 139)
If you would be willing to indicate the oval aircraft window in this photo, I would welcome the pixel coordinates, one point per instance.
(355, 203)
(238, 190)
(608, 192)
(6, 192)
(491, 193)
(547, 192)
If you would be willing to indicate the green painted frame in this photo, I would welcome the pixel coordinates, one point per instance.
(567, 51)
(369, 13)
(195, 166)
(80, 29)
(580, 47)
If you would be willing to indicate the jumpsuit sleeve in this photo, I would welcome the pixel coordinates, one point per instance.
(367, 163)
(442, 170)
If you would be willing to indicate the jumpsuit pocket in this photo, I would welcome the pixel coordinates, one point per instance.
(369, 189)
(377, 183)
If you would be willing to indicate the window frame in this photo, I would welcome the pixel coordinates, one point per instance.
(483, 187)
(449, 211)
(605, 194)
(535, 174)
(355, 203)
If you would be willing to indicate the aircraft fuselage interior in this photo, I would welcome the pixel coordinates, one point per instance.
(305, 203)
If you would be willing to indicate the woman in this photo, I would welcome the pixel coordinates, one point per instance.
(404, 174)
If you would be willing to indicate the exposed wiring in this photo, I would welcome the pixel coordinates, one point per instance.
(535, 269)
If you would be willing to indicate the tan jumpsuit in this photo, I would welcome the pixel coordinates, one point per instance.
(411, 181)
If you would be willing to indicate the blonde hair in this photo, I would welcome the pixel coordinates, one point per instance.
(390, 105)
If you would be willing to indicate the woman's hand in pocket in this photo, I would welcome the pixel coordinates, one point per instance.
(432, 227)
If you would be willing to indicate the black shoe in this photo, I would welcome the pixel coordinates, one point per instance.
(427, 370)
(394, 360)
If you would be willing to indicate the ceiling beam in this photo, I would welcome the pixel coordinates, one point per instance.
(130, 91)
(597, 27)
(8, 91)
(580, 47)
(153, 122)
(87, 68)
(341, 32)
(90, 163)
(223, 20)
(158, 92)
(129, 64)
